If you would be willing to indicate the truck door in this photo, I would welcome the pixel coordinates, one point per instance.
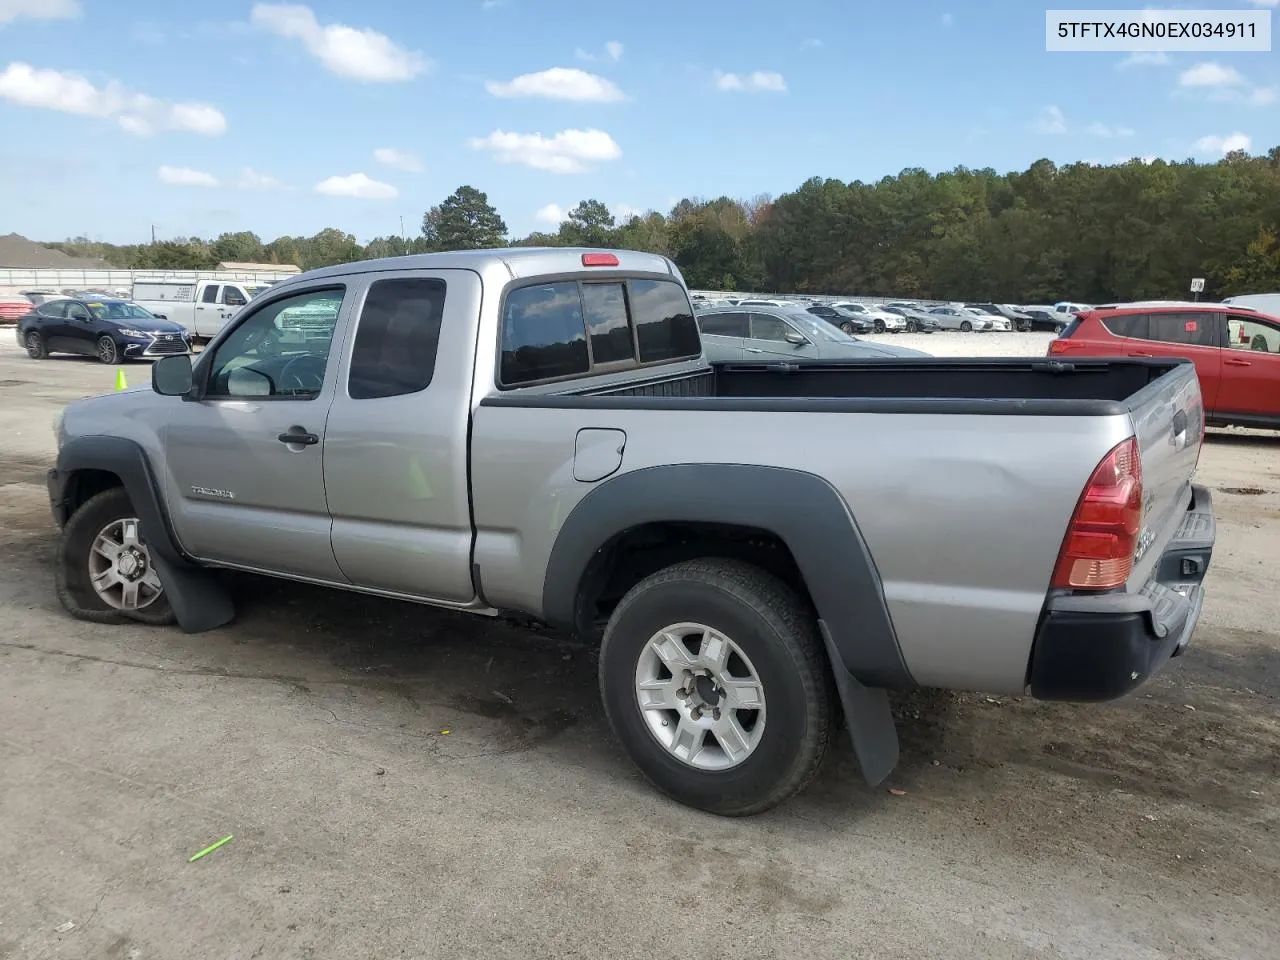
(207, 313)
(245, 477)
(395, 448)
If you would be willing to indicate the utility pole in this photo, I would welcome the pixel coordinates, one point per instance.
(153, 234)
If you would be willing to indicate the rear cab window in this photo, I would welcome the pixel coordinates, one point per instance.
(576, 328)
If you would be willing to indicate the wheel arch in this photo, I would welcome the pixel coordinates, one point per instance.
(790, 518)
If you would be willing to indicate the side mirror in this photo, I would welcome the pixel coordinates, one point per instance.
(171, 376)
(795, 339)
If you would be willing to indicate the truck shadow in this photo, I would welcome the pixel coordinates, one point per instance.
(1258, 438)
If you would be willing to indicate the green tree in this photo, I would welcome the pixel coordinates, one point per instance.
(465, 220)
(590, 224)
(241, 247)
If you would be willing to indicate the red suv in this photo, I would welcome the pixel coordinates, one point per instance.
(1236, 351)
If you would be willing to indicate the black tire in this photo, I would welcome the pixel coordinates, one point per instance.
(913, 327)
(848, 328)
(36, 348)
(879, 326)
(966, 326)
(778, 633)
(75, 591)
(107, 351)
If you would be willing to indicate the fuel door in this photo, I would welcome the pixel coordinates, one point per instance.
(597, 453)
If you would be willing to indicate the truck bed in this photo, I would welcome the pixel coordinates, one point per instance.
(1008, 386)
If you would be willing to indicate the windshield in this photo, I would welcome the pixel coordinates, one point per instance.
(118, 310)
(254, 289)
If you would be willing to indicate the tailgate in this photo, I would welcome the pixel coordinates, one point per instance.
(1168, 420)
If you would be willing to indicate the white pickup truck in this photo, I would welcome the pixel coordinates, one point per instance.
(203, 307)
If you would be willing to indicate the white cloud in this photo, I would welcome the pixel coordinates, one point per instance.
(251, 179)
(813, 43)
(11, 10)
(569, 151)
(583, 55)
(558, 83)
(1102, 130)
(358, 54)
(186, 177)
(1209, 74)
(1051, 121)
(755, 82)
(399, 159)
(1262, 96)
(1144, 58)
(948, 19)
(136, 113)
(1222, 145)
(356, 185)
(614, 49)
(552, 213)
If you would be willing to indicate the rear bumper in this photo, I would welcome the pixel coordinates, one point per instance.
(1091, 648)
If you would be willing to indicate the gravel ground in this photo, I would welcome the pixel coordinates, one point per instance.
(405, 782)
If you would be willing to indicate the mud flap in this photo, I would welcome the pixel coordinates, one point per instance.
(199, 601)
(867, 715)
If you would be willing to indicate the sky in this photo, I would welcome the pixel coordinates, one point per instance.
(283, 118)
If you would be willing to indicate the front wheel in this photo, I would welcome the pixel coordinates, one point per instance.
(912, 326)
(879, 326)
(107, 350)
(966, 326)
(104, 571)
(35, 346)
(714, 678)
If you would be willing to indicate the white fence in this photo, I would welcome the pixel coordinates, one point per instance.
(14, 280)
(819, 297)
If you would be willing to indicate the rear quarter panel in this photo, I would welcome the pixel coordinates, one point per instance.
(964, 515)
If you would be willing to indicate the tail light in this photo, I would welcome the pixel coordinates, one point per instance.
(1097, 553)
(1057, 346)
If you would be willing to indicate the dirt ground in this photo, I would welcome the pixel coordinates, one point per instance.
(402, 782)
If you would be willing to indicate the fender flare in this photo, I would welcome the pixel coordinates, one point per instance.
(199, 600)
(802, 509)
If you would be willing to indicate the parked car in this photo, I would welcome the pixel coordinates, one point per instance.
(1236, 351)
(111, 330)
(765, 545)
(12, 307)
(881, 319)
(917, 321)
(1017, 319)
(40, 296)
(998, 321)
(1045, 319)
(763, 302)
(849, 323)
(1068, 306)
(1268, 303)
(734, 334)
(960, 318)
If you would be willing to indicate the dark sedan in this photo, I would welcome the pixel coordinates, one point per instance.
(111, 330)
(917, 320)
(848, 322)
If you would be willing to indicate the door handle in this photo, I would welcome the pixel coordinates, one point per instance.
(304, 439)
(752, 350)
(1233, 362)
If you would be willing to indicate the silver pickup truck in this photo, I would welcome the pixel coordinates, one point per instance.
(764, 548)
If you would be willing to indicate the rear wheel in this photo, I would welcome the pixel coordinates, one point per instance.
(879, 326)
(107, 351)
(966, 326)
(847, 327)
(104, 570)
(36, 348)
(714, 678)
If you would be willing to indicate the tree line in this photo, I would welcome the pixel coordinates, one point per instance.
(1131, 231)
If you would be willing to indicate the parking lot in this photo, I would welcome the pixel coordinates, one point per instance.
(402, 781)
